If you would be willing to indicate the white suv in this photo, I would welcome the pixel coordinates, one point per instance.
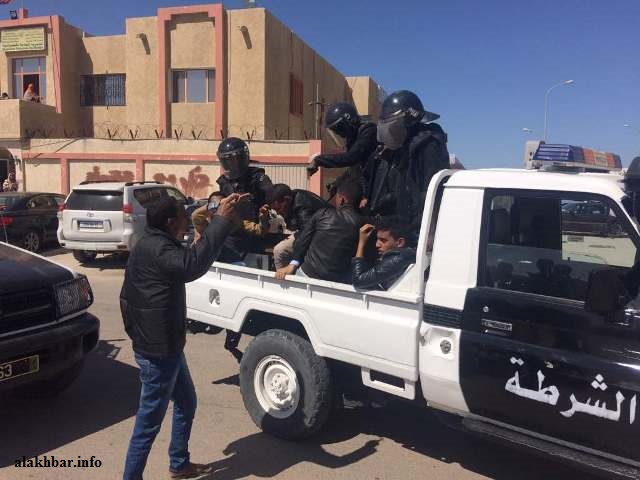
(100, 217)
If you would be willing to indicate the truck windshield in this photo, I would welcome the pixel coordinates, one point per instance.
(102, 200)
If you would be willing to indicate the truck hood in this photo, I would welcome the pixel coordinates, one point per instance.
(21, 270)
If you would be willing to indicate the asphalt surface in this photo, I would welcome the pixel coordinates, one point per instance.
(95, 417)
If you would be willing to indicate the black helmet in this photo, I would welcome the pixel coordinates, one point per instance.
(233, 154)
(342, 118)
(404, 102)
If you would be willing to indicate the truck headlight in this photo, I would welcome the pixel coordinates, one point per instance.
(73, 296)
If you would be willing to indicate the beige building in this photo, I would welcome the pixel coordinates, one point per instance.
(153, 103)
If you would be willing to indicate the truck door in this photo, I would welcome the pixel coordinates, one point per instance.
(531, 356)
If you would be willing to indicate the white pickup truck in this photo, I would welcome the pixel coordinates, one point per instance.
(514, 322)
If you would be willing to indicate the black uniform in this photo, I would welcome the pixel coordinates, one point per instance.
(402, 176)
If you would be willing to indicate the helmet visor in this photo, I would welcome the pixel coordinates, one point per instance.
(234, 163)
(339, 140)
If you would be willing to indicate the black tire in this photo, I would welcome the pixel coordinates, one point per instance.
(32, 241)
(52, 386)
(83, 256)
(312, 377)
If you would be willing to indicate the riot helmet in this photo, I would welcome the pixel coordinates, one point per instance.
(343, 120)
(233, 154)
(401, 111)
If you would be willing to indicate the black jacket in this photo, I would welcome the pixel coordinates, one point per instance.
(384, 272)
(358, 152)
(402, 176)
(303, 205)
(258, 184)
(328, 243)
(153, 298)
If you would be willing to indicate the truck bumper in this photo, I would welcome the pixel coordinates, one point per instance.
(94, 246)
(58, 348)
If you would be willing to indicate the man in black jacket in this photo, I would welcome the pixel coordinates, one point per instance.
(296, 207)
(348, 130)
(327, 243)
(153, 305)
(413, 150)
(394, 255)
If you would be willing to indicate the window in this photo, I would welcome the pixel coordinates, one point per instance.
(548, 245)
(103, 90)
(31, 70)
(194, 86)
(145, 196)
(296, 97)
(41, 201)
(101, 200)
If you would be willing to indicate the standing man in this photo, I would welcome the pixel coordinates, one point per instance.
(153, 305)
(10, 184)
(413, 150)
(348, 130)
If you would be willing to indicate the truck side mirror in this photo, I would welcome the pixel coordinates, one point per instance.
(605, 292)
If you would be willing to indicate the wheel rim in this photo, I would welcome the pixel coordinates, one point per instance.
(276, 386)
(31, 241)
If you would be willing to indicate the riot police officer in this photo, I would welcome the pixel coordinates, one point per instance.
(413, 148)
(348, 130)
(239, 177)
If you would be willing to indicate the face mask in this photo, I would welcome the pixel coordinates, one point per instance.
(341, 142)
(392, 132)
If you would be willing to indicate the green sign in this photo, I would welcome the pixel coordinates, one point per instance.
(22, 39)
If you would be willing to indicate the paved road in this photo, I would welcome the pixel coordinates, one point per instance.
(95, 417)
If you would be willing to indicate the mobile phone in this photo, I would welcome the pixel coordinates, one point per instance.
(213, 206)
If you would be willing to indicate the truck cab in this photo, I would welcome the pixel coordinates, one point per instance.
(519, 325)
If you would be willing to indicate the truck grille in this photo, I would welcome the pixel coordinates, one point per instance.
(25, 310)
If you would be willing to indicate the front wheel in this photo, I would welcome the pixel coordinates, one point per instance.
(286, 387)
(32, 241)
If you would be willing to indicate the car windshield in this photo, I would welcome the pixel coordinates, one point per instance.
(8, 201)
(101, 200)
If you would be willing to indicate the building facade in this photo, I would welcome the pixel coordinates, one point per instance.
(153, 103)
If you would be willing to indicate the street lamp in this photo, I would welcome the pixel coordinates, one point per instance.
(546, 105)
(527, 130)
(628, 125)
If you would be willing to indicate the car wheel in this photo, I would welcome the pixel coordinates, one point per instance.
(84, 257)
(52, 386)
(285, 386)
(32, 241)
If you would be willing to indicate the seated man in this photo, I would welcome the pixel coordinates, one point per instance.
(394, 255)
(296, 207)
(327, 243)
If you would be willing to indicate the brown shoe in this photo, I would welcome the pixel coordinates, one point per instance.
(192, 470)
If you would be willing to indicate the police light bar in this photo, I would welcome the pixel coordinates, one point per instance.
(571, 157)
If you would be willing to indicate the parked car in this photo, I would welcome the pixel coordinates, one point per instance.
(101, 217)
(29, 219)
(45, 329)
(589, 218)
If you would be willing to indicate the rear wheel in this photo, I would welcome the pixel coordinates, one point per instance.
(84, 257)
(286, 387)
(32, 241)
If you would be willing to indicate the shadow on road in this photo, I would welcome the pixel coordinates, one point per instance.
(33, 427)
(416, 429)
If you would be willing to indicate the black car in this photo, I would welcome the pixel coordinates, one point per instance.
(45, 329)
(589, 218)
(29, 219)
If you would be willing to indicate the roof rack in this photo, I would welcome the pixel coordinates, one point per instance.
(128, 184)
(89, 182)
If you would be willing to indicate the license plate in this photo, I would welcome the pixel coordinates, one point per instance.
(17, 368)
(90, 224)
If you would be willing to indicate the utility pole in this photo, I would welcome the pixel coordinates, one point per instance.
(318, 110)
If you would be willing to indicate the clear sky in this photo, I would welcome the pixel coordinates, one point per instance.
(484, 65)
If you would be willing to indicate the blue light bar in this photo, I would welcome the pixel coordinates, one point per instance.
(571, 157)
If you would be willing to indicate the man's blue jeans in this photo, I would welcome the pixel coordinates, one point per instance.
(162, 380)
